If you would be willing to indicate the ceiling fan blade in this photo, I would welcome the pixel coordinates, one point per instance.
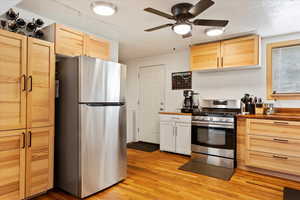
(159, 13)
(209, 22)
(158, 27)
(200, 7)
(187, 35)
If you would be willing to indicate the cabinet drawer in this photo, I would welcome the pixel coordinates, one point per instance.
(274, 145)
(274, 162)
(284, 129)
(176, 118)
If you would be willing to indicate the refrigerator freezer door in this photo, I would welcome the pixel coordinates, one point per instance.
(101, 81)
(103, 147)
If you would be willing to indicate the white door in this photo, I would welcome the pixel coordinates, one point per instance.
(151, 101)
(167, 136)
(183, 138)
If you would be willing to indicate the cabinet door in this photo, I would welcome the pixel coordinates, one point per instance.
(12, 80)
(68, 42)
(41, 83)
(205, 56)
(183, 138)
(97, 48)
(167, 136)
(240, 52)
(12, 165)
(39, 160)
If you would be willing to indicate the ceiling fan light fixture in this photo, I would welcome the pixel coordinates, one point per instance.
(213, 32)
(182, 29)
(103, 8)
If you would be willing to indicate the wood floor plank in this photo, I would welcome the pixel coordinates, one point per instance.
(155, 176)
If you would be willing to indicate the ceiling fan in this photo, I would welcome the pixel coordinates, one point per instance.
(183, 13)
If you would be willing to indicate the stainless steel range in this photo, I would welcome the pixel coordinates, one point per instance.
(214, 132)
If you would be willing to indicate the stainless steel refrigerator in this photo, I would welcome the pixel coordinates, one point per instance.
(90, 149)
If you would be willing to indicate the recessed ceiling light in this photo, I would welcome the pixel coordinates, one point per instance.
(103, 8)
(182, 29)
(214, 32)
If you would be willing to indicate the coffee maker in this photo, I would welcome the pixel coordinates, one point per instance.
(188, 102)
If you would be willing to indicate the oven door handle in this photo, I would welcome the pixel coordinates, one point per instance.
(213, 125)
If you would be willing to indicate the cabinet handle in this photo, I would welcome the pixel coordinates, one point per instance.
(24, 138)
(280, 157)
(218, 62)
(30, 78)
(280, 140)
(281, 123)
(30, 134)
(24, 83)
(222, 61)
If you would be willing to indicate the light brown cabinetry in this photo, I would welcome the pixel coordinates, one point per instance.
(238, 52)
(273, 145)
(70, 42)
(12, 80)
(39, 160)
(27, 75)
(12, 164)
(206, 56)
(97, 48)
(41, 73)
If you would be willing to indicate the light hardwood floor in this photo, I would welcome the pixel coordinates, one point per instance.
(155, 176)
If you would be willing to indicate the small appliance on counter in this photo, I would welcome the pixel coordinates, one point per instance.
(254, 105)
(190, 102)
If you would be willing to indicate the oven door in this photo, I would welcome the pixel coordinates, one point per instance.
(214, 139)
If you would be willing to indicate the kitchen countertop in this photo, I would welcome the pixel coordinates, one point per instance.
(276, 116)
(175, 113)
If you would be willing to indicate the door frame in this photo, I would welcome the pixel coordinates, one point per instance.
(138, 120)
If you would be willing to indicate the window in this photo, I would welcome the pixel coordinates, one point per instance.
(283, 70)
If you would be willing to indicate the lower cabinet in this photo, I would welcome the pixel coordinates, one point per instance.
(39, 160)
(175, 135)
(12, 165)
(26, 162)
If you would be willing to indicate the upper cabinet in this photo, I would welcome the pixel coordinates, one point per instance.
(41, 77)
(13, 67)
(238, 52)
(206, 56)
(70, 42)
(97, 48)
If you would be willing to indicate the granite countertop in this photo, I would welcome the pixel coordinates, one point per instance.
(276, 116)
(175, 113)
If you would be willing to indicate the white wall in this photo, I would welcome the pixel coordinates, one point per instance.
(228, 84)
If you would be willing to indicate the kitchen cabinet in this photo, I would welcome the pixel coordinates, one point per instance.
(167, 137)
(27, 78)
(41, 83)
(240, 52)
(97, 48)
(175, 134)
(12, 164)
(231, 53)
(39, 160)
(70, 42)
(269, 147)
(183, 138)
(13, 62)
(205, 56)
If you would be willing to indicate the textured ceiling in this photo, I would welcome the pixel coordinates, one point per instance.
(265, 17)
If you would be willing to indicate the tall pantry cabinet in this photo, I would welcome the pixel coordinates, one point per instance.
(27, 70)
